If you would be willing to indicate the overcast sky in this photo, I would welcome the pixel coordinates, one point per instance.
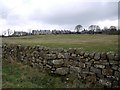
(25, 15)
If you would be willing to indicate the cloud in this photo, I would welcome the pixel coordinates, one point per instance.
(56, 14)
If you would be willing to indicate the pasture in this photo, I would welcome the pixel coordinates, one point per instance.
(87, 42)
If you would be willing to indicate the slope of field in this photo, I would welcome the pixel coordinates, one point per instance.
(85, 41)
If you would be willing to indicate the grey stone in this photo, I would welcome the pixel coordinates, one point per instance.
(117, 74)
(97, 56)
(110, 55)
(99, 66)
(58, 62)
(51, 56)
(86, 54)
(105, 82)
(119, 69)
(107, 72)
(75, 69)
(103, 56)
(91, 55)
(117, 57)
(71, 50)
(82, 53)
(95, 70)
(66, 55)
(62, 71)
(60, 55)
(113, 62)
(115, 67)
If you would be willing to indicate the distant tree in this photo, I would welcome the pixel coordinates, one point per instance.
(94, 28)
(78, 28)
(113, 28)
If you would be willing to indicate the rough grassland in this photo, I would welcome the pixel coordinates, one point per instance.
(85, 41)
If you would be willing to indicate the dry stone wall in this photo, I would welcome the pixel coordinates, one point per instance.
(94, 67)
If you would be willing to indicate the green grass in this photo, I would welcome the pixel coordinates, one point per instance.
(18, 75)
(87, 42)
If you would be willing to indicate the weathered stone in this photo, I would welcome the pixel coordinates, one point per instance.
(97, 56)
(99, 66)
(119, 69)
(73, 55)
(91, 55)
(103, 56)
(117, 57)
(82, 53)
(117, 75)
(71, 50)
(107, 72)
(82, 65)
(91, 78)
(51, 56)
(60, 55)
(110, 55)
(113, 62)
(86, 55)
(95, 70)
(58, 62)
(75, 69)
(62, 71)
(115, 67)
(105, 82)
(66, 55)
(115, 84)
(77, 51)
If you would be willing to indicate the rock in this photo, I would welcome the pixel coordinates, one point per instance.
(117, 75)
(113, 62)
(77, 51)
(62, 71)
(50, 56)
(115, 84)
(60, 56)
(105, 82)
(97, 56)
(73, 55)
(99, 66)
(71, 50)
(91, 55)
(82, 65)
(58, 62)
(107, 72)
(117, 57)
(91, 78)
(103, 56)
(86, 54)
(110, 55)
(66, 55)
(115, 67)
(95, 70)
(75, 69)
(119, 69)
(82, 53)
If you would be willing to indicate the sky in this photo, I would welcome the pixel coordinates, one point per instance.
(26, 15)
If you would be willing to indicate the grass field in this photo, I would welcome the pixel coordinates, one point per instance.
(87, 42)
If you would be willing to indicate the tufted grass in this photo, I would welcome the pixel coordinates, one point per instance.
(18, 75)
(88, 42)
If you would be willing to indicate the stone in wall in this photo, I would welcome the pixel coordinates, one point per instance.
(62, 71)
(110, 55)
(105, 82)
(60, 55)
(107, 72)
(91, 55)
(57, 62)
(97, 56)
(74, 69)
(103, 56)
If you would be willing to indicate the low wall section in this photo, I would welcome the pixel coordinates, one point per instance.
(94, 67)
